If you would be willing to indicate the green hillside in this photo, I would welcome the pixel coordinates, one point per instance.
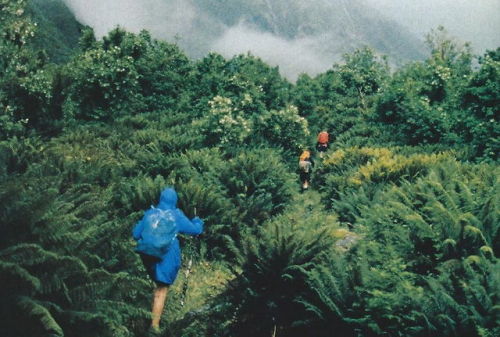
(397, 236)
(58, 31)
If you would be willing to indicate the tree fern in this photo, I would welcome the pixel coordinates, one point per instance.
(425, 265)
(137, 194)
(332, 297)
(258, 183)
(270, 280)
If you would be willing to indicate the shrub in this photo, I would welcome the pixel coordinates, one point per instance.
(372, 168)
(265, 296)
(426, 264)
(258, 184)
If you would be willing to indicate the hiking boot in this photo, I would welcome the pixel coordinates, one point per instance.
(153, 332)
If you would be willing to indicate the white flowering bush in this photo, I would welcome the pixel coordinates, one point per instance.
(284, 127)
(101, 79)
(230, 122)
(16, 27)
(25, 81)
(225, 123)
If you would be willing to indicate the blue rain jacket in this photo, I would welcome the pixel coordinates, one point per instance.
(167, 268)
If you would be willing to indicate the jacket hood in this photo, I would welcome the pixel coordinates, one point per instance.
(168, 199)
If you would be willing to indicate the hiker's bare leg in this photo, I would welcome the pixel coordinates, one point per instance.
(159, 296)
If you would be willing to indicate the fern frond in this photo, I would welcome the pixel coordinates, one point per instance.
(39, 315)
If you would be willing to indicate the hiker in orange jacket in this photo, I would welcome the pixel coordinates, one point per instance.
(322, 144)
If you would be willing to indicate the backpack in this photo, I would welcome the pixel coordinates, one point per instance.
(305, 155)
(323, 137)
(159, 231)
(305, 166)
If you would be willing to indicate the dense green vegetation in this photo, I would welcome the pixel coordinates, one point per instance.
(58, 32)
(399, 236)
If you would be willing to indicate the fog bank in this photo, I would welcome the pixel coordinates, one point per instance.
(475, 21)
(197, 32)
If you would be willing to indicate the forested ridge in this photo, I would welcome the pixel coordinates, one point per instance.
(399, 235)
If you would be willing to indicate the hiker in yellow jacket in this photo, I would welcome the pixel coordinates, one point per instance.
(305, 168)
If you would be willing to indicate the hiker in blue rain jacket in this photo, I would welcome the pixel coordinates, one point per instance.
(163, 271)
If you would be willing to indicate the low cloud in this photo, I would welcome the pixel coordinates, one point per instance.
(292, 56)
(171, 19)
(199, 33)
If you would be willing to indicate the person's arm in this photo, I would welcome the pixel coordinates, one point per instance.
(137, 231)
(186, 226)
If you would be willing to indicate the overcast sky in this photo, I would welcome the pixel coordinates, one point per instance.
(475, 21)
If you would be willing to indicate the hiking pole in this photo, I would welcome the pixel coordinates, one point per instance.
(187, 273)
(185, 286)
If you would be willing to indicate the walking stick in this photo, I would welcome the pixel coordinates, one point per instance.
(187, 273)
(185, 286)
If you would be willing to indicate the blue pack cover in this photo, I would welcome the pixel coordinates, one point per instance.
(159, 230)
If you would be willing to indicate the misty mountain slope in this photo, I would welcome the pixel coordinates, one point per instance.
(336, 26)
(298, 36)
(58, 30)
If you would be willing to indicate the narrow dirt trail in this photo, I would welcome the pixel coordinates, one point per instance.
(307, 207)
